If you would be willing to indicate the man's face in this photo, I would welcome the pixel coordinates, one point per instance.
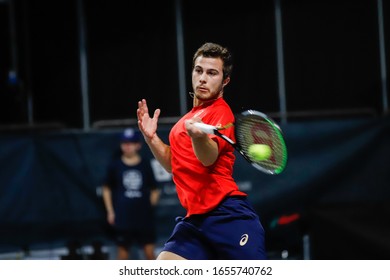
(130, 148)
(207, 78)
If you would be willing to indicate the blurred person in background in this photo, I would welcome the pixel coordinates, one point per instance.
(130, 195)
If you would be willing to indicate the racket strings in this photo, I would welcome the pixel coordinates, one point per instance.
(254, 129)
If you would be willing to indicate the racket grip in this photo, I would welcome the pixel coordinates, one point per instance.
(206, 128)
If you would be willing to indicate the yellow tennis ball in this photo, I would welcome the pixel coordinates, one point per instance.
(259, 151)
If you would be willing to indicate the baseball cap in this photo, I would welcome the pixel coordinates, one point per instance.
(130, 135)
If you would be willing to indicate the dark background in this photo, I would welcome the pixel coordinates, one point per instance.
(337, 126)
(331, 56)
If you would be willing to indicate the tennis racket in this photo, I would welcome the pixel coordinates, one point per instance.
(253, 127)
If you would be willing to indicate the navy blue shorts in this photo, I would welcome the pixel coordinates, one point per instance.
(232, 231)
(136, 236)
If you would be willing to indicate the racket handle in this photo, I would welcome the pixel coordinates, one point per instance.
(206, 128)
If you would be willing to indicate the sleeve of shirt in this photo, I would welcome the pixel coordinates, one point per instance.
(108, 179)
(220, 117)
(150, 179)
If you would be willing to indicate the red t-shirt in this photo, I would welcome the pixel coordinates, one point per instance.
(200, 188)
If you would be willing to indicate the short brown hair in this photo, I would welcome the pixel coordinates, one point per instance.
(216, 51)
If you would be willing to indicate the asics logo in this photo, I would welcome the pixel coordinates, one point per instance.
(244, 239)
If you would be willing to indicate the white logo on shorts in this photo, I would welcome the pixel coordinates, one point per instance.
(244, 239)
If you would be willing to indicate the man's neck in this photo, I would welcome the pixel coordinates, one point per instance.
(131, 160)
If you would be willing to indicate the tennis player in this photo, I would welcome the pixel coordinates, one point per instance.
(220, 223)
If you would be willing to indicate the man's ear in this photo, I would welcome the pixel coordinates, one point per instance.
(226, 81)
